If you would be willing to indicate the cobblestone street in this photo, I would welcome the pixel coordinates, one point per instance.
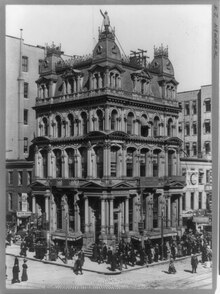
(42, 275)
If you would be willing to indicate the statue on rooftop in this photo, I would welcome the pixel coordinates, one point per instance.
(106, 20)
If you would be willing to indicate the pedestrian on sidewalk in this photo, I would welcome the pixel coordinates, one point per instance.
(15, 272)
(24, 276)
(194, 263)
(171, 269)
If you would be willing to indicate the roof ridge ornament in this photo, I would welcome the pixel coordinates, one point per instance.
(161, 51)
(106, 20)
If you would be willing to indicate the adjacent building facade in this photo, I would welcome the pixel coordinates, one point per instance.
(107, 152)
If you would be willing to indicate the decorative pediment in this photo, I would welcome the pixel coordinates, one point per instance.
(92, 185)
(123, 185)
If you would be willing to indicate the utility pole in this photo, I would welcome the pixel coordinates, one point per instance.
(66, 248)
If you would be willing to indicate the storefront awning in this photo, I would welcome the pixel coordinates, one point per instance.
(62, 236)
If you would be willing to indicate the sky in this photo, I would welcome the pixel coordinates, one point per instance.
(185, 29)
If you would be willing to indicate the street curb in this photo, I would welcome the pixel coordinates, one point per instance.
(101, 272)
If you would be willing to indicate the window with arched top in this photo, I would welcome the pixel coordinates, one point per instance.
(71, 162)
(114, 120)
(99, 161)
(156, 129)
(130, 123)
(71, 125)
(58, 162)
(59, 126)
(84, 123)
(83, 155)
(100, 120)
(169, 127)
(45, 127)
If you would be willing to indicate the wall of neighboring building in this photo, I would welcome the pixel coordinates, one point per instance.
(34, 54)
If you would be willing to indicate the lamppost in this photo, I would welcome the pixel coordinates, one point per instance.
(141, 223)
(163, 203)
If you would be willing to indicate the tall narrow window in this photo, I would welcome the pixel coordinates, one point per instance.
(207, 147)
(156, 163)
(143, 161)
(207, 127)
(100, 120)
(192, 200)
(24, 63)
(71, 166)
(130, 161)
(207, 103)
(187, 149)
(25, 117)
(84, 123)
(113, 120)
(83, 153)
(187, 111)
(194, 147)
(45, 127)
(184, 201)
(170, 163)
(71, 125)
(194, 108)
(130, 123)
(99, 162)
(57, 153)
(25, 90)
(25, 144)
(200, 200)
(187, 129)
(59, 128)
(156, 130)
(194, 128)
(19, 202)
(44, 163)
(113, 162)
(144, 126)
(169, 128)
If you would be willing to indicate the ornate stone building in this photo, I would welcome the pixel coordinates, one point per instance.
(107, 146)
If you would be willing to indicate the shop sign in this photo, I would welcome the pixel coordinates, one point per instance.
(23, 213)
(24, 201)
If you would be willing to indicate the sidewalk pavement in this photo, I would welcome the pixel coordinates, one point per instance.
(91, 266)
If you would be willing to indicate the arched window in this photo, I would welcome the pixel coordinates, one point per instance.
(100, 120)
(58, 122)
(58, 161)
(71, 165)
(144, 126)
(84, 123)
(114, 120)
(143, 162)
(156, 130)
(130, 123)
(71, 125)
(169, 127)
(83, 154)
(45, 127)
(99, 162)
(44, 163)
(156, 154)
(130, 162)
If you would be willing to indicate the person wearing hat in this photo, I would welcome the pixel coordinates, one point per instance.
(24, 276)
(171, 269)
(15, 272)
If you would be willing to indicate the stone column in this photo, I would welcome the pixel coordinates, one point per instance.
(173, 207)
(111, 215)
(177, 212)
(51, 89)
(107, 78)
(37, 159)
(86, 208)
(107, 124)
(107, 216)
(102, 215)
(33, 203)
(78, 84)
(47, 195)
(168, 212)
(89, 160)
(180, 210)
(178, 162)
(149, 212)
(76, 214)
(127, 214)
(106, 159)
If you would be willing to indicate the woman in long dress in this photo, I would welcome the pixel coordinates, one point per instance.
(24, 276)
(15, 272)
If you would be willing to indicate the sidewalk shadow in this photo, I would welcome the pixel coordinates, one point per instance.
(188, 271)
